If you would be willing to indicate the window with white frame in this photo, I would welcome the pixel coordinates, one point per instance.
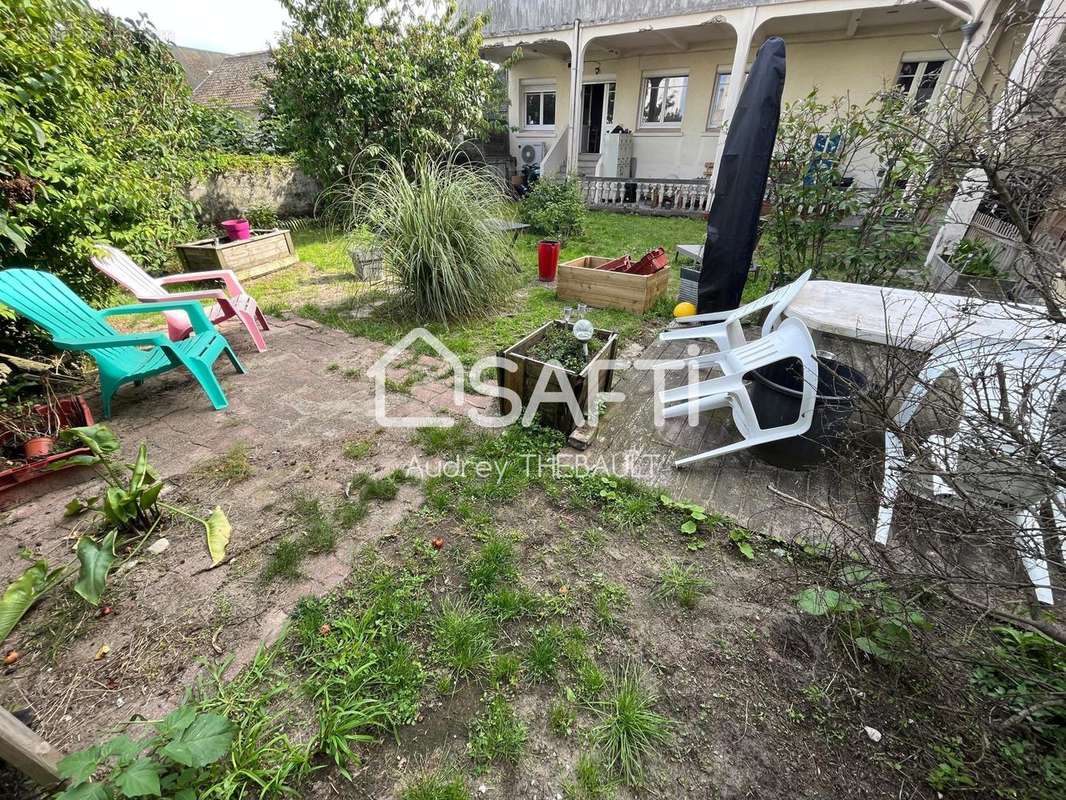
(662, 101)
(538, 107)
(917, 78)
(721, 88)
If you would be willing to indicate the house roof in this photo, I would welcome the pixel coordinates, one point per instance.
(235, 82)
(197, 64)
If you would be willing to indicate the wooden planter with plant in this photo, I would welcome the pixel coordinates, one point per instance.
(265, 252)
(555, 341)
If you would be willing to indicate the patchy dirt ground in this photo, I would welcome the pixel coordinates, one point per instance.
(293, 411)
(761, 701)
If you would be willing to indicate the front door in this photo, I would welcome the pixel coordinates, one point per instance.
(597, 109)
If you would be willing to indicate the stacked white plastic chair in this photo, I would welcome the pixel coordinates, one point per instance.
(1023, 380)
(790, 341)
(727, 332)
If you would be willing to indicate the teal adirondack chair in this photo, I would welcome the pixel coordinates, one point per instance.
(121, 357)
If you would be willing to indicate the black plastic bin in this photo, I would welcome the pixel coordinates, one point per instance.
(775, 394)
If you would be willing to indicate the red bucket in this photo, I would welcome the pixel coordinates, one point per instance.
(547, 259)
(236, 229)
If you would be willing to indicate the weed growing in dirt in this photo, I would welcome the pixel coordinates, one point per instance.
(457, 439)
(623, 502)
(590, 782)
(263, 754)
(608, 601)
(590, 680)
(462, 637)
(233, 466)
(505, 670)
(629, 730)
(680, 584)
(368, 488)
(443, 784)
(561, 717)
(508, 602)
(316, 536)
(285, 561)
(493, 565)
(350, 513)
(541, 658)
(497, 734)
(357, 449)
(345, 723)
(357, 658)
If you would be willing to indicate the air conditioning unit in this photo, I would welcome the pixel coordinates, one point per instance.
(532, 153)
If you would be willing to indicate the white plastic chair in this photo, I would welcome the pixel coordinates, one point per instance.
(1027, 379)
(726, 332)
(791, 340)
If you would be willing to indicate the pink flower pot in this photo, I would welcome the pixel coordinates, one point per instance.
(237, 229)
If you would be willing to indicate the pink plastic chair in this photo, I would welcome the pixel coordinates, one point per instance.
(231, 302)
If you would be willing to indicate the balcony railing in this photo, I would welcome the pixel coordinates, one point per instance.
(657, 196)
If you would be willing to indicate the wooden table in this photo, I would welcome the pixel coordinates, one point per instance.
(916, 320)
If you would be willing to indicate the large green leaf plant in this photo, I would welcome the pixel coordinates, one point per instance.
(174, 762)
(129, 511)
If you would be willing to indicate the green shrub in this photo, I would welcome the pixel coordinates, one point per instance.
(100, 138)
(434, 223)
(261, 217)
(555, 208)
(974, 258)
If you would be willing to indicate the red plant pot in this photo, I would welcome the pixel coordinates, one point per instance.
(38, 447)
(547, 259)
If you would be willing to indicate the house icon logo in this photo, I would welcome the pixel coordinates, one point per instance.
(379, 372)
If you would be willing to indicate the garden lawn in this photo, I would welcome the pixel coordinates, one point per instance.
(323, 287)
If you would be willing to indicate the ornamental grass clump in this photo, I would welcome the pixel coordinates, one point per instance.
(434, 221)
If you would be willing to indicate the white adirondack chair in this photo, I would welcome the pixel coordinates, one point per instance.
(230, 302)
(1023, 378)
(727, 332)
(791, 340)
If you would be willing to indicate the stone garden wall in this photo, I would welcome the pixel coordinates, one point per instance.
(283, 188)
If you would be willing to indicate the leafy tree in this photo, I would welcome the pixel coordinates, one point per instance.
(356, 73)
(98, 140)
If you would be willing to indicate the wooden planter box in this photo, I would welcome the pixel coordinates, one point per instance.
(580, 280)
(265, 252)
(524, 380)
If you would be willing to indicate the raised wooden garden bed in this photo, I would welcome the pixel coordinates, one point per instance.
(523, 381)
(581, 280)
(73, 413)
(265, 252)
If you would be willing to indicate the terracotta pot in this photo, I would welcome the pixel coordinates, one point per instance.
(38, 447)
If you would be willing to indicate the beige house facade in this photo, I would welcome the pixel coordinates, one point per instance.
(664, 70)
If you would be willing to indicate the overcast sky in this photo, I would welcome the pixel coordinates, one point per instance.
(228, 26)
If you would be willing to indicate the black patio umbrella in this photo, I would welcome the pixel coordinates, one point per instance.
(733, 222)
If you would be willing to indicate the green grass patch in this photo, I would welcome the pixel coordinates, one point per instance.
(357, 449)
(462, 637)
(497, 734)
(233, 466)
(540, 660)
(680, 583)
(562, 718)
(629, 730)
(443, 784)
(590, 781)
(303, 290)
